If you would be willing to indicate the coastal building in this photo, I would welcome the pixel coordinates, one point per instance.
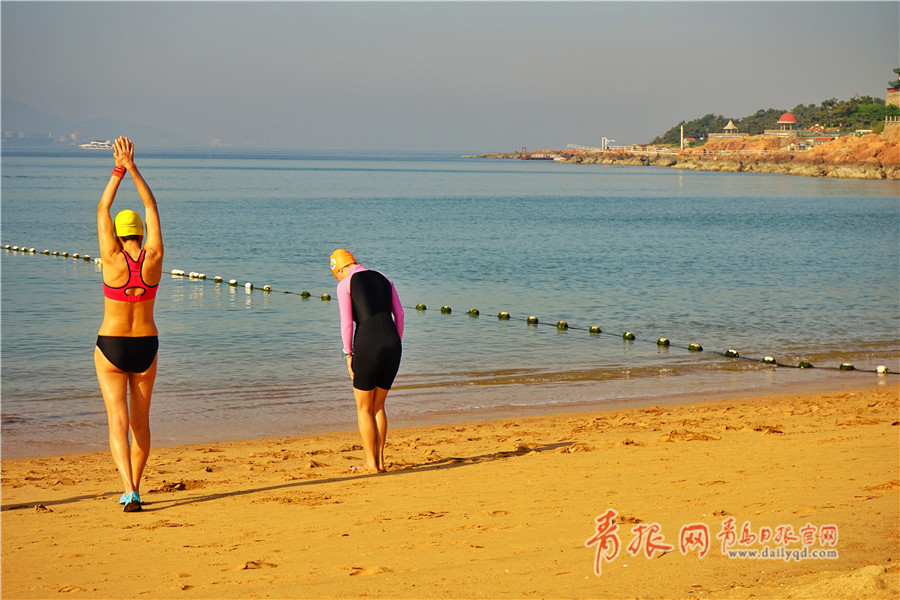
(729, 131)
(787, 120)
(788, 126)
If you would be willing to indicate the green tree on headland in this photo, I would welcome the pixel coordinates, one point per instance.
(846, 115)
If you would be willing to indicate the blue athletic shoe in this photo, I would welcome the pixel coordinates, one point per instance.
(124, 498)
(132, 502)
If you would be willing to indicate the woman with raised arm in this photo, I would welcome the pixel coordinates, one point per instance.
(373, 351)
(127, 343)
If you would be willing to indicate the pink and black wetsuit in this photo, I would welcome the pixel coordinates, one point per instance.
(370, 300)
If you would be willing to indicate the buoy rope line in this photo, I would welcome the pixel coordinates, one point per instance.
(533, 321)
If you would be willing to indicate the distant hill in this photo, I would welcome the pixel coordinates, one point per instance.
(20, 119)
(847, 115)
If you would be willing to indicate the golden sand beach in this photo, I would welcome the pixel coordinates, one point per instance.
(640, 503)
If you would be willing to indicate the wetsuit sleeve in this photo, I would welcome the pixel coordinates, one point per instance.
(345, 307)
(397, 310)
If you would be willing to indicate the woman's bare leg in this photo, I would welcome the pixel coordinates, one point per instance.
(130, 458)
(114, 387)
(139, 422)
(380, 425)
(369, 427)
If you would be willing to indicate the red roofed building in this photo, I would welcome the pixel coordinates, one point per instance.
(787, 121)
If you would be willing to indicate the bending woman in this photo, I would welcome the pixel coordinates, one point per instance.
(369, 299)
(127, 343)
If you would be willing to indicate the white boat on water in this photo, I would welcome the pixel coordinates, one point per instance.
(97, 145)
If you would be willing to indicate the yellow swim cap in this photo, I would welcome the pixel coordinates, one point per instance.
(129, 222)
(340, 258)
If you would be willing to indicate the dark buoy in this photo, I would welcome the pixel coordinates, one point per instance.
(503, 316)
(662, 342)
(474, 312)
(532, 320)
(805, 364)
(562, 325)
(326, 297)
(628, 336)
(420, 306)
(594, 329)
(695, 348)
(446, 310)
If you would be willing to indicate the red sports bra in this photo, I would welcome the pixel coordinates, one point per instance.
(135, 283)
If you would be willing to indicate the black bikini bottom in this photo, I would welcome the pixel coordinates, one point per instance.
(132, 354)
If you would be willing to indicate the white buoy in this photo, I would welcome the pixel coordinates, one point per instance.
(201, 275)
(8, 247)
(881, 369)
(98, 261)
(15, 248)
(177, 272)
(267, 288)
(769, 360)
(232, 282)
(217, 279)
(31, 250)
(249, 286)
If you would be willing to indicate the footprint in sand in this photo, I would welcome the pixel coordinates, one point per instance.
(628, 519)
(256, 564)
(368, 570)
(888, 485)
(179, 486)
(427, 515)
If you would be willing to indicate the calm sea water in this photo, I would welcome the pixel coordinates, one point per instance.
(769, 265)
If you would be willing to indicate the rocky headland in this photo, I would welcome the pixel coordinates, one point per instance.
(871, 156)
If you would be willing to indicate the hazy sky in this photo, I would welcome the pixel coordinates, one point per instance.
(457, 76)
